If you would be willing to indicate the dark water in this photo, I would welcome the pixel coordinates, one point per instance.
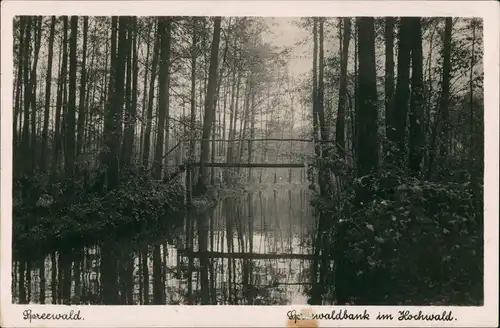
(256, 248)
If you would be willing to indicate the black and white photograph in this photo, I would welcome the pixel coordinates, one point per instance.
(247, 160)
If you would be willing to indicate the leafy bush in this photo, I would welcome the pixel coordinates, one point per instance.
(73, 213)
(415, 242)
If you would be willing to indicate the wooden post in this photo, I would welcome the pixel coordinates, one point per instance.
(249, 141)
(189, 185)
(249, 148)
(186, 183)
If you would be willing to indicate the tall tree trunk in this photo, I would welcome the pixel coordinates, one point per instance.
(145, 86)
(48, 84)
(244, 119)
(315, 88)
(209, 105)
(124, 159)
(83, 82)
(340, 126)
(252, 124)
(216, 124)
(89, 100)
(149, 121)
(164, 27)
(366, 113)
(231, 116)
(71, 112)
(135, 72)
(223, 144)
(57, 146)
(131, 94)
(33, 81)
(232, 135)
(19, 85)
(192, 142)
(321, 91)
(416, 142)
(354, 135)
(116, 103)
(445, 92)
(324, 170)
(397, 121)
(429, 85)
(27, 98)
(64, 119)
(390, 22)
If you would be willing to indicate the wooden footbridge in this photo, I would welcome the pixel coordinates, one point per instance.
(188, 166)
(187, 157)
(185, 162)
(247, 164)
(247, 256)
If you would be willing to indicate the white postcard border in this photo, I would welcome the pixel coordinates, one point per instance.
(253, 316)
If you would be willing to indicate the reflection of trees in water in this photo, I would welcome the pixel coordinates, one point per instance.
(249, 281)
(182, 269)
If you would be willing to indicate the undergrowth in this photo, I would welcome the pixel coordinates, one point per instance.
(49, 214)
(414, 243)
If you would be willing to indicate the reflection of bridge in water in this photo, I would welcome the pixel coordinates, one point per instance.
(258, 248)
(252, 248)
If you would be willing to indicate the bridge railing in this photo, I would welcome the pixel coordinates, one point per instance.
(259, 150)
(260, 159)
(264, 160)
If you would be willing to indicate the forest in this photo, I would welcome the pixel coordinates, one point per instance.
(124, 125)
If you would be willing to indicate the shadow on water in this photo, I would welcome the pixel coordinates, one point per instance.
(252, 249)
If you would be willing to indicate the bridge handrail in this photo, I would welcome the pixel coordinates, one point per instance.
(264, 139)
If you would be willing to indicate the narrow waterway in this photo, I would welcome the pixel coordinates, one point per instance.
(254, 248)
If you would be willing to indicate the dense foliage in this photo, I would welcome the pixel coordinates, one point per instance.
(399, 199)
(415, 242)
(51, 216)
